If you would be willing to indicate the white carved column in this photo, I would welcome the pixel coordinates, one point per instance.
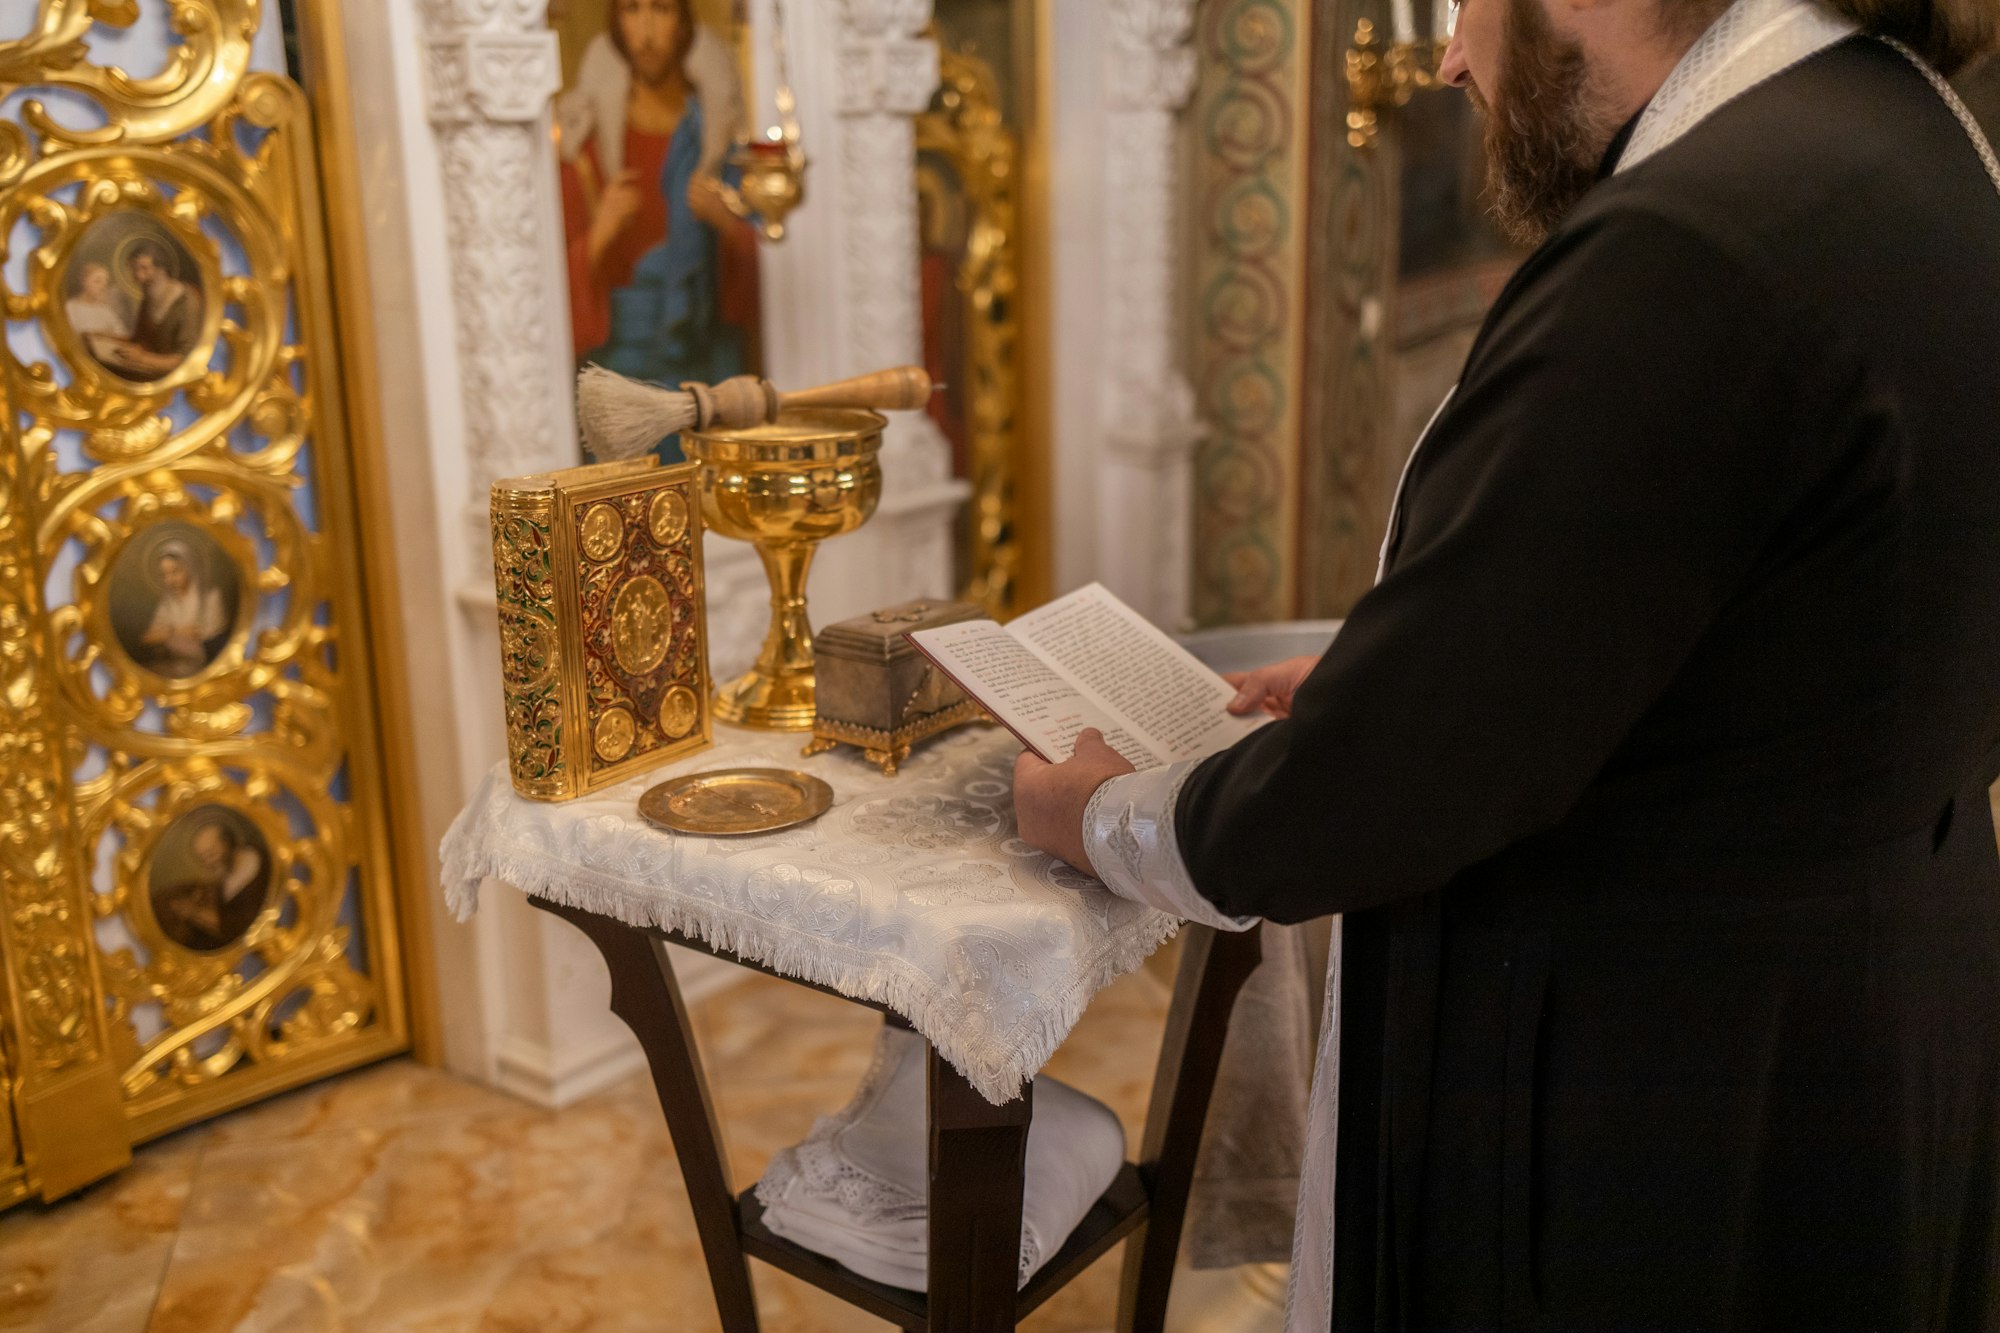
(888, 72)
(490, 70)
(491, 67)
(1145, 508)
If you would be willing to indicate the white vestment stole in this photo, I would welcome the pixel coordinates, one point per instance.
(1751, 42)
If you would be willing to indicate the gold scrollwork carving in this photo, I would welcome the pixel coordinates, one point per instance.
(104, 683)
(52, 987)
(524, 569)
(965, 130)
(200, 78)
(181, 639)
(125, 423)
(216, 1014)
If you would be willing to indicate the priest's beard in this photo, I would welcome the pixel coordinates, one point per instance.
(1545, 130)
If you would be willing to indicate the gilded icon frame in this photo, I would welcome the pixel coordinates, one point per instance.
(284, 725)
(107, 201)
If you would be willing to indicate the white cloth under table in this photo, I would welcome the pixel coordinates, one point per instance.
(856, 1189)
(914, 892)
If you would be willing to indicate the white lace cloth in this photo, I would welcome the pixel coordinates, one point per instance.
(912, 891)
(855, 1189)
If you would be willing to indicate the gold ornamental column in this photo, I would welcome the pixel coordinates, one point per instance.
(71, 1125)
(968, 166)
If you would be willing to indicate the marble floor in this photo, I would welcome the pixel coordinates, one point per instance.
(400, 1198)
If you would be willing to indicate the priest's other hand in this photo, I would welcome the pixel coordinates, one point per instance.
(1049, 798)
(1269, 687)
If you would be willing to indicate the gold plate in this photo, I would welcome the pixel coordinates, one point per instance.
(735, 800)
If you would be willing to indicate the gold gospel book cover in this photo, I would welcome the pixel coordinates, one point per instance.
(603, 624)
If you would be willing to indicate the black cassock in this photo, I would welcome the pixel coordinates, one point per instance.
(1652, 778)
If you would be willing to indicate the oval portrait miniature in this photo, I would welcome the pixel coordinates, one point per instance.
(173, 598)
(132, 295)
(208, 878)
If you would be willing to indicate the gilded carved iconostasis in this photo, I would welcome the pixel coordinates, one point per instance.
(1340, 262)
(974, 230)
(194, 897)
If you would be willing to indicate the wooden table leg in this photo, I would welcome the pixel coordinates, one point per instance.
(1214, 966)
(978, 1158)
(645, 994)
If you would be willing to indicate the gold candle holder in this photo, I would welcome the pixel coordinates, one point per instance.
(1380, 78)
(773, 171)
(784, 487)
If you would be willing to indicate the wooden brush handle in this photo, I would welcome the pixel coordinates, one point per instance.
(737, 402)
(745, 400)
(901, 389)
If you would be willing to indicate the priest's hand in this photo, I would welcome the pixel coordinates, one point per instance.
(1049, 799)
(1269, 687)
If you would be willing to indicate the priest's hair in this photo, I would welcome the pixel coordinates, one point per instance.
(1947, 33)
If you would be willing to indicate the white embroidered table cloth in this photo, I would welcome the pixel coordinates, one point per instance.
(914, 891)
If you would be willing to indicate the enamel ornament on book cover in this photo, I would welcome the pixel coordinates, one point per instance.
(603, 639)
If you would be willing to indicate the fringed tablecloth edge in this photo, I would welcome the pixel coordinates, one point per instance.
(467, 860)
(457, 853)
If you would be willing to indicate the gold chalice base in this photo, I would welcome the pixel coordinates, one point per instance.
(767, 703)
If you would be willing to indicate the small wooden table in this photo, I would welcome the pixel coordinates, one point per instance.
(977, 1153)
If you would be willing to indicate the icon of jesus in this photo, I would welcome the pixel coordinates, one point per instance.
(662, 276)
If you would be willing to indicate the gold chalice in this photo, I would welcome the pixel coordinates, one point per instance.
(783, 487)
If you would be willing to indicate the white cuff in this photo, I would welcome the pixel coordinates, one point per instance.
(1128, 831)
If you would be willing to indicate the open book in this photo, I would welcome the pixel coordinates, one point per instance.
(1089, 660)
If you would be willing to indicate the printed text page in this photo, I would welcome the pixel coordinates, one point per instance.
(1176, 704)
(1022, 691)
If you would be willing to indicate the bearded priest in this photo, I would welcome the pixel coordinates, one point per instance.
(1650, 781)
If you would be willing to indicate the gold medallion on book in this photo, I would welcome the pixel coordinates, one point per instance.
(603, 623)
